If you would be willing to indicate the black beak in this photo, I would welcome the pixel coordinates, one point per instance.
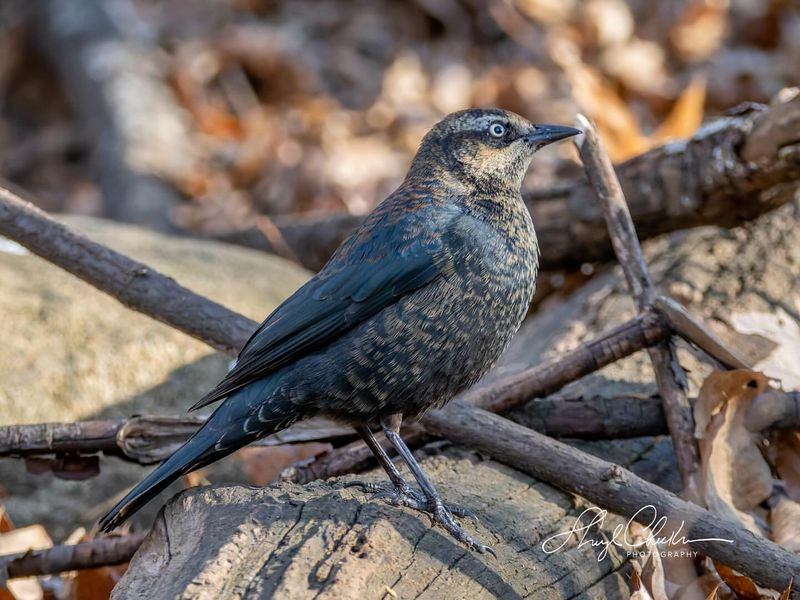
(541, 135)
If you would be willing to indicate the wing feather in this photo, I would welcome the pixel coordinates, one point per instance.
(328, 306)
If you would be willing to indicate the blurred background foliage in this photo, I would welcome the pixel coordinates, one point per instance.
(315, 106)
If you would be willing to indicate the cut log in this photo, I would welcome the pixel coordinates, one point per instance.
(327, 541)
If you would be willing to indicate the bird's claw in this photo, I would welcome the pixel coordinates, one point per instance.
(443, 515)
(402, 495)
(437, 510)
(408, 496)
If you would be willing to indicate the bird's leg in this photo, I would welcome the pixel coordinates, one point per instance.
(396, 490)
(439, 511)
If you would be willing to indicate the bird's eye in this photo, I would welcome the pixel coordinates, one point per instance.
(497, 130)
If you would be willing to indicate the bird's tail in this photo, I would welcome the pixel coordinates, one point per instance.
(226, 430)
(194, 454)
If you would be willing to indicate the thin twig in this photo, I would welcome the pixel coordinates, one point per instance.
(669, 374)
(691, 329)
(98, 552)
(135, 285)
(142, 439)
(512, 391)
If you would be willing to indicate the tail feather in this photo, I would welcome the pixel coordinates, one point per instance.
(194, 454)
(245, 416)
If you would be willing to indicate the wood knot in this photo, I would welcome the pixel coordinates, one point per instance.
(613, 473)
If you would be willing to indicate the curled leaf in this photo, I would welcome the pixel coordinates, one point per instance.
(735, 476)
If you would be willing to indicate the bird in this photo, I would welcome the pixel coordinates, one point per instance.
(413, 307)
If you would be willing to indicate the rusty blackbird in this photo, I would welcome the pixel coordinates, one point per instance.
(414, 307)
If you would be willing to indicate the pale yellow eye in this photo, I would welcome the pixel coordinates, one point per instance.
(497, 130)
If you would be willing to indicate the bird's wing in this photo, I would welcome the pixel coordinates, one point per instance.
(333, 302)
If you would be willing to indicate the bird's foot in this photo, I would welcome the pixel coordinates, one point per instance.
(396, 495)
(438, 511)
(405, 495)
(443, 515)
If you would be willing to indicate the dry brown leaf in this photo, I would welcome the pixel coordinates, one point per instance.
(606, 22)
(652, 576)
(785, 522)
(641, 594)
(735, 476)
(742, 586)
(785, 456)
(719, 388)
(787, 593)
(638, 64)
(708, 586)
(713, 594)
(648, 578)
(546, 11)
(262, 465)
(617, 125)
(33, 537)
(686, 114)
(598, 98)
(6, 524)
(639, 590)
(699, 31)
(195, 478)
(96, 584)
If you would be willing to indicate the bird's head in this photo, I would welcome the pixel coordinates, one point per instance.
(484, 148)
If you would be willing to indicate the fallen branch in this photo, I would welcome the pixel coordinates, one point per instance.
(94, 553)
(142, 439)
(595, 417)
(773, 410)
(135, 285)
(616, 489)
(669, 374)
(599, 418)
(693, 331)
(516, 389)
(731, 171)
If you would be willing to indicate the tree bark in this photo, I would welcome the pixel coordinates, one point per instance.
(329, 541)
(95, 553)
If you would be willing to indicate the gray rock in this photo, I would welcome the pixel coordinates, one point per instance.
(70, 352)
